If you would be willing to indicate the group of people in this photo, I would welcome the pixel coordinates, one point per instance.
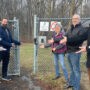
(6, 43)
(71, 44)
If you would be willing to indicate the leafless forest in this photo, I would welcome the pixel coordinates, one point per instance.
(25, 10)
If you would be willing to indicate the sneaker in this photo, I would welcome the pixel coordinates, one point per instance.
(56, 78)
(67, 86)
(6, 79)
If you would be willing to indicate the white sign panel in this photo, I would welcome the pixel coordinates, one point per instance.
(44, 26)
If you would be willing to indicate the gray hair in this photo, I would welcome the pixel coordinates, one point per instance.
(59, 24)
(77, 16)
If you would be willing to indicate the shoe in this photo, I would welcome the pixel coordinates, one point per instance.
(56, 78)
(6, 78)
(68, 86)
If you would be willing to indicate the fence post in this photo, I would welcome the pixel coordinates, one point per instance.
(18, 48)
(35, 45)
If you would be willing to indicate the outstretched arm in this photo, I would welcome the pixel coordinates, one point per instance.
(45, 45)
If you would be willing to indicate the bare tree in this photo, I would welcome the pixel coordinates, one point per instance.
(25, 10)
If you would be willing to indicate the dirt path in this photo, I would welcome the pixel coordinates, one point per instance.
(25, 82)
(19, 83)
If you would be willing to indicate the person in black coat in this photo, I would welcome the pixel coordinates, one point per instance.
(6, 42)
(83, 35)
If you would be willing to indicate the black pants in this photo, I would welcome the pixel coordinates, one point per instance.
(5, 61)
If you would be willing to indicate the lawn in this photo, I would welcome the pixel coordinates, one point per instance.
(45, 66)
(45, 58)
(26, 56)
(45, 72)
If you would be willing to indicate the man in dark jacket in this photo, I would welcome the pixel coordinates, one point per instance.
(85, 35)
(6, 42)
(74, 58)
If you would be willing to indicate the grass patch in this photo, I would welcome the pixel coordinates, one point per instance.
(45, 66)
(26, 55)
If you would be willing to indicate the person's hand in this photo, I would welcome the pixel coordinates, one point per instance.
(2, 49)
(53, 49)
(82, 49)
(50, 41)
(41, 46)
(64, 40)
(13, 45)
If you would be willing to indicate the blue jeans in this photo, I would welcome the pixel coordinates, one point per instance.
(75, 75)
(57, 58)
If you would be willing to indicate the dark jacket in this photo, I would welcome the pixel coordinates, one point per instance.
(83, 35)
(60, 48)
(77, 38)
(6, 38)
(73, 42)
(88, 41)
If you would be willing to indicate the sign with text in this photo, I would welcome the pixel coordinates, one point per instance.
(44, 26)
